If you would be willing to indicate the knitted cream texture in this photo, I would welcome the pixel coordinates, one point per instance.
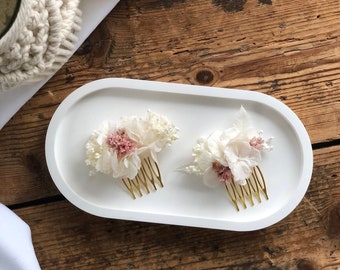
(39, 42)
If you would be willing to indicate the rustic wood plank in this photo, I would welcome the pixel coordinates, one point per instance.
(309, 238)
(287, 50)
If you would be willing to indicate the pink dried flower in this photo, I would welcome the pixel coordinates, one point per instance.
(257, 142)
(120, 142)
(223, 172)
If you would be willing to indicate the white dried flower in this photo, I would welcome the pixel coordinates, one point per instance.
(117, 149)
(230, 154)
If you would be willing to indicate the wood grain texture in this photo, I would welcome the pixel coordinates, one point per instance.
(67, 238)
(287, 49)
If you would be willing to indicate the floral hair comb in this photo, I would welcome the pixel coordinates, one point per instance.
(128, 150)
(231, 157)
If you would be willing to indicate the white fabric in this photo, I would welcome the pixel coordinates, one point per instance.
(39, 41)
(16, 248)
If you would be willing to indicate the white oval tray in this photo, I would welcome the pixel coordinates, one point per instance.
(197, 111)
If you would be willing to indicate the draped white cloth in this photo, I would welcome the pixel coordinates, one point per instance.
(16, 247)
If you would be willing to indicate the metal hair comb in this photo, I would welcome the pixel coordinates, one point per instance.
(255, 187)
(148, 178)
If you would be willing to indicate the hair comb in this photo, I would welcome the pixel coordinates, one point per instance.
(128, 151)
(231, 157)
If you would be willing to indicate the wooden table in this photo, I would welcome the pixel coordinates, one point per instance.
(287, 49)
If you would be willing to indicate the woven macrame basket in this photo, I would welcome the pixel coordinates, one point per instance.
(39, 42)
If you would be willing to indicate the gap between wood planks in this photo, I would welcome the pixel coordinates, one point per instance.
(320, 145)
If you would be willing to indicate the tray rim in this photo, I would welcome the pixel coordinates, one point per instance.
(197, 90)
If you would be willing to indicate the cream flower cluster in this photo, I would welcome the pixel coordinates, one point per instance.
(229, 154)
(118, 148)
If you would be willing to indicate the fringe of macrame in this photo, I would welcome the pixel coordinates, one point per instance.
(39, 42)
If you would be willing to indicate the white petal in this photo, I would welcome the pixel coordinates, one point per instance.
(210, 178)
(241, 171)
(204, 161)
(253, 158)
(242, 121)
(230, 154)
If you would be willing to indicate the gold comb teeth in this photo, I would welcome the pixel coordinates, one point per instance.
(147, 179)
(253, 189)
(128, 151)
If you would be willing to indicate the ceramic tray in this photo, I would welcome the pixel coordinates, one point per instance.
(197, 111)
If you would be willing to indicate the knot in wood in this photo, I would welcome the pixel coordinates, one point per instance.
(204, 76)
